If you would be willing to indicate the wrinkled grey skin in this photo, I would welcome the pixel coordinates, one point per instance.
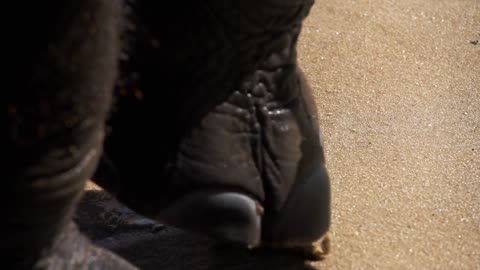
(212, 127)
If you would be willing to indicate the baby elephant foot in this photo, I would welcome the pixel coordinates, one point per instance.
(238, 154)
(299, 228)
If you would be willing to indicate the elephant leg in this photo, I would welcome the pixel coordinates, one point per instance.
(214, 129)
(62, 65)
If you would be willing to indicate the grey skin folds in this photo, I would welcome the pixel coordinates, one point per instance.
(214, 129)
(199, 107)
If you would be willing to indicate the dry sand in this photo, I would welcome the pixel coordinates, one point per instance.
(397, 84)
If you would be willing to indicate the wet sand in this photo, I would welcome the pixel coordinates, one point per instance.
(397, 86)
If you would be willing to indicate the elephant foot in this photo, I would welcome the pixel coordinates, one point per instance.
(237, 154)
(238, 218)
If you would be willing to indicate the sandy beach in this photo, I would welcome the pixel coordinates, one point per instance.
(397, 84)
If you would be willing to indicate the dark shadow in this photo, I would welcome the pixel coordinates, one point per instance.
(150, 245)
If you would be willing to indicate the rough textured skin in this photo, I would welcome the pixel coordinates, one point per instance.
(212, 91)
(150, 246)
(241, 121)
